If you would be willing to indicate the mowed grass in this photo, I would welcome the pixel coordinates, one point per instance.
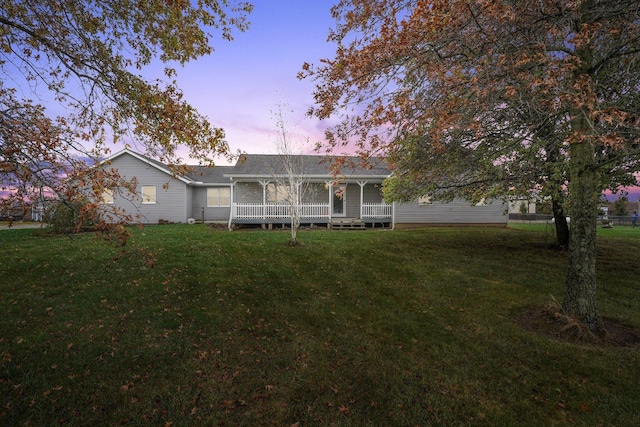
(401, 328)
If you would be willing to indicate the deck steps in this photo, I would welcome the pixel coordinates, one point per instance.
(347, 224)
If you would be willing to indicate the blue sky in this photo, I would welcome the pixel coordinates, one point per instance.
(242, 82)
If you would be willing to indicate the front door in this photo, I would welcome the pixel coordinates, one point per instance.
(339, 201)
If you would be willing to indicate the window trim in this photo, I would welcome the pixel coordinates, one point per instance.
(425, 200)
(108, 196)
(148, 199)
(278, 193)
(219, 197)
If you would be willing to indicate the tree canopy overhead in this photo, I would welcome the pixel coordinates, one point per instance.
(87, 59)
(489, 98)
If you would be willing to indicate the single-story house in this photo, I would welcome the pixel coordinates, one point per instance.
(253, 191)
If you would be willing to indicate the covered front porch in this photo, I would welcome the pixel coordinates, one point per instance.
(358, 200)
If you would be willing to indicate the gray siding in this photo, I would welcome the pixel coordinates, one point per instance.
(455, 212)
(188, 202)
(210, 213)
(372, 193)
(251, 192)
(170, 201)
(247, 192)
(316, 193)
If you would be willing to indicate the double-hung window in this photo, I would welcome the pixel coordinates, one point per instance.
(107, 196)
(149, 194)
(218, 197)
(278, 193)
(425, 200)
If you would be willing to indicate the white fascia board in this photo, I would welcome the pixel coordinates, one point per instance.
(309, 177)
(209, 184)
(359, 177)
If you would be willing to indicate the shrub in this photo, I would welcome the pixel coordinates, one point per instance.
(67, 217)
(620, 206)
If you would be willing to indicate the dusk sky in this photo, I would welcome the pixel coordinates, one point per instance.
(243, 82)
(240, 84)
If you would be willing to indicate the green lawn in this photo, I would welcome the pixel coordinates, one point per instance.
(372, 328)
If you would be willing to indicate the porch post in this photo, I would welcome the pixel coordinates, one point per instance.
(361, 184)
(264, 198)
(393, 215)
(329, 185)
(232, 203)
(298, 204)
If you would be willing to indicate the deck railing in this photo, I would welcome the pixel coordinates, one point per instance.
(278, 210)
(308, 210)
(376, 210)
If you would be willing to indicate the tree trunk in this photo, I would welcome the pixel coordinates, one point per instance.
(555, 160)
(560, 220)
(295, 212)
(294, 233)
(580, 290)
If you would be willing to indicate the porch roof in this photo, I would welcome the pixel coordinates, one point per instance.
(255, 166)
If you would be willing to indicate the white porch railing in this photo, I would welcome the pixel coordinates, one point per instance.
(309, 210)
(278, 210)
(376, 210)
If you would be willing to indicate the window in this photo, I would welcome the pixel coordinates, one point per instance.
(425, 200)
(218, 197)
(107, 196)
(148, 194)
(278, 193)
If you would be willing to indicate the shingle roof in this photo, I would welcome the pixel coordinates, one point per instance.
(272, 164)
(269, 165)
(209, 175)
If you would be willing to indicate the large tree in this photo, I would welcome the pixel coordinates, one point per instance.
(484, 98)
(73, 82)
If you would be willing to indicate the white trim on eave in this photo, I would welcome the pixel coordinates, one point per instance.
(309, 177)
(209, 184)
(146, 160)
